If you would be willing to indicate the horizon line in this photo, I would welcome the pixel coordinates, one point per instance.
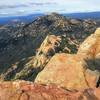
(46, 13)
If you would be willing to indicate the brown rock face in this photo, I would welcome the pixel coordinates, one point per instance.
(21, 90)
(91, 46)
(68, 71)
(91, 49)
(46, 50)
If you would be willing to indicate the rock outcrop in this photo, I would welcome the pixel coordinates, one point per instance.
(68, 71)
(47, 49)
(21, 90)
(90, 48)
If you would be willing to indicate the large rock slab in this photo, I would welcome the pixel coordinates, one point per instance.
(68, 71)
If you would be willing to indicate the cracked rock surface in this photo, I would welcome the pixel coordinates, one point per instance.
(22, 90)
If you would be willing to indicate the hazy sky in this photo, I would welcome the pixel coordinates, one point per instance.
(24, 7)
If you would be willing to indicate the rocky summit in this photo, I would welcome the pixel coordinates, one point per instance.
(52, 58)
(20, 41)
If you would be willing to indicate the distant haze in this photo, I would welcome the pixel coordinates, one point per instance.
(25, 7)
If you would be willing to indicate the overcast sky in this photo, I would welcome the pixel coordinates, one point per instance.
(24, 7)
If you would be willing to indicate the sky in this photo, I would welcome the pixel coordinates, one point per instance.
(26, 7)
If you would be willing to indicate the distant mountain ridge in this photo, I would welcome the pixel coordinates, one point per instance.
(29, 18)
(26, 19)
(85, 15)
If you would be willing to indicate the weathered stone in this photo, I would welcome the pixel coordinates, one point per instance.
(68, 71)
(92, 77)
(46, 50)
(22, 90)
(90, 48)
